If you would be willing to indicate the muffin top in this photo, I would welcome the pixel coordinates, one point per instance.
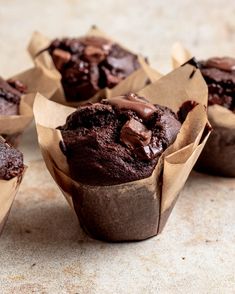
(88, 64)
(219, 74)
(10, 95)
(11, 161)
(117, 140)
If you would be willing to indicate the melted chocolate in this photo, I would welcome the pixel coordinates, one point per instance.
(135, 103)
(222, 63)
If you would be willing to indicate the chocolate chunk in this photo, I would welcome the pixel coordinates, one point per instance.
(94, 54)
(135, 134)
(110, 80)
(60, 58)
(223, 63)
(148, 152)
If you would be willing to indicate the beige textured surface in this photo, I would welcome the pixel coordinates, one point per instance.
(42, 250)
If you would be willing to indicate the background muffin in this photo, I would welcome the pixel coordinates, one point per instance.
(88, 68)
(218, 156)
(90, 63)
(219, 74)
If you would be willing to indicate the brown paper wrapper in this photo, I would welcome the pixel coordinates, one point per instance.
(8, 192)
(135, 210)
(12, 126)
(137, 80)
(218, 156)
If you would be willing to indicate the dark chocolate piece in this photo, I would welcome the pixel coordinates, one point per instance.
(185, 108)
(218, 154)
(88, 64)
(135, 134)
(140, 106)
(60, 58)
(117, 140)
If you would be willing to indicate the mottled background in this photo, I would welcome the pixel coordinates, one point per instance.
(42, 249)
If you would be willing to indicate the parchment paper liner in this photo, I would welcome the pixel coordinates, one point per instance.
(7, 195)
(12, 126)
(218, 156)
(44, 62)
(135, 210)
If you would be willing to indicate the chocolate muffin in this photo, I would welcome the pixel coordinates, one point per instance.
(218, 156)
(11, 161)
(10, 95)
(88, 64)
(219, 74)
(117, 140)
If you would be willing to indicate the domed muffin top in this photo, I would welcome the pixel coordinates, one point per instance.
(117, 140)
